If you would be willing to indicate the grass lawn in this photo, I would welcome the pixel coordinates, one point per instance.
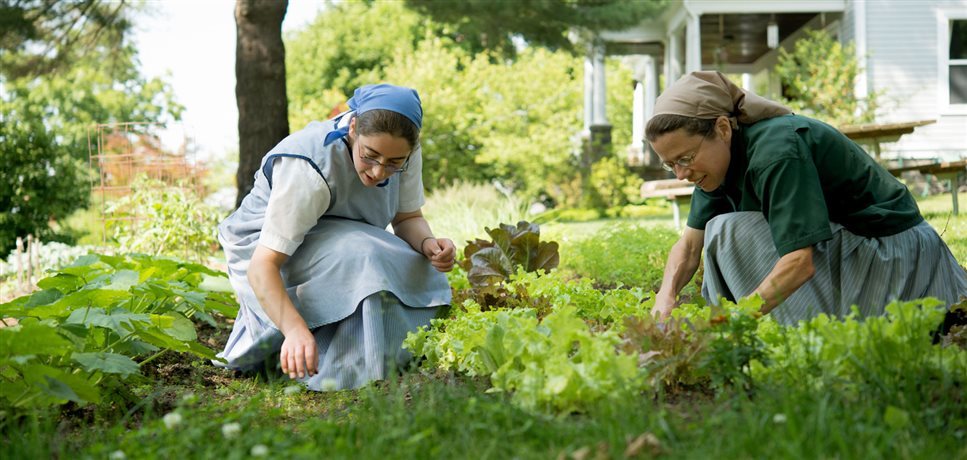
(184, 407)
(936, 209)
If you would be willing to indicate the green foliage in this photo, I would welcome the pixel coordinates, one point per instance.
(41, 179)
(462, 210)
(160, 219)
(482, 24)
(94, 323)
(612, 184)
(477, 112)
(818, 79)
(44, 123)
(627, 254)
(558, 364)
(889, 357)
(489, 263)
(734, 346)
(346, 47)
(44, 36)
(478, 107)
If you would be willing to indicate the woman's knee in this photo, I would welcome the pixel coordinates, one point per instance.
(734, 224)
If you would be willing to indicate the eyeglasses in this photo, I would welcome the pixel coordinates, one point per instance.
(684, 161)
(390, 168)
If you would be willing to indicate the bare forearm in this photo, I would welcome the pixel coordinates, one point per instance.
(412, 228)
(790, 273)
(683, 261)
(266, 282)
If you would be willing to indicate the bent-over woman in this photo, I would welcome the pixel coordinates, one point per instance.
(322, 285)
(788, 208)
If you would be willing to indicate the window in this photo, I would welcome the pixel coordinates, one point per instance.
(958, 61)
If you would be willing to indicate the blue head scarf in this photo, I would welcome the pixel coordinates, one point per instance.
(399, 99)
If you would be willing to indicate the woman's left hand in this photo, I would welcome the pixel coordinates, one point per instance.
(441, 253)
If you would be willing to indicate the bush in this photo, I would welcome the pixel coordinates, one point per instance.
(160, 219)
(624, 254)
(462, 211)
(818, 79)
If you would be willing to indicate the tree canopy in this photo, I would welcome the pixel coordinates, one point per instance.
(57, 83)
(42, 36)
(486, 118)
(489, 24)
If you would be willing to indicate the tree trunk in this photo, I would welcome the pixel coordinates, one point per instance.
(263, 118)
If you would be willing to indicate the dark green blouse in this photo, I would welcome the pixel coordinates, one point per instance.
(803, 174)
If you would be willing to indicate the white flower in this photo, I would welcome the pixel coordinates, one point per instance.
(171, 419)
(779, 418)
(230, 430)
(292, 390)
(117, 455)
(259, 450)
(189, 398)
(328, 385)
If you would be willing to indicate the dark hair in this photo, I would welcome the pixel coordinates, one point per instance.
(666, 123)
(379, 121)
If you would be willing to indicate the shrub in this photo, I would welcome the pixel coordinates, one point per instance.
(624, 254)
(461, 211)
(159, 219)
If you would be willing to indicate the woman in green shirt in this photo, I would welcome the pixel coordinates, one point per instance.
(788, 208)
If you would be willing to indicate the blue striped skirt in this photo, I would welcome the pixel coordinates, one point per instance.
(850, 269)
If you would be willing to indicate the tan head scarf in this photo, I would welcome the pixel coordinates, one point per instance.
(710, 95)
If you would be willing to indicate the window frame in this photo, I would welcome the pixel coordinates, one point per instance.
(945, 28)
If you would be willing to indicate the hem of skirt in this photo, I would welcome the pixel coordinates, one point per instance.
(318, 324)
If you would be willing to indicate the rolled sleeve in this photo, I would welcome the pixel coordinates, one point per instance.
(299, 197)
(411, 183)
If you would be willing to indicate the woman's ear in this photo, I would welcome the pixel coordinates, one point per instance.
(352, 127)
(724, 128)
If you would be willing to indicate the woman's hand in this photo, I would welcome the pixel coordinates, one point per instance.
(663, 308)
(299, 356)
(440, 251)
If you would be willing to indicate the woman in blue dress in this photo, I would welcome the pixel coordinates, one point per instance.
(321, 283)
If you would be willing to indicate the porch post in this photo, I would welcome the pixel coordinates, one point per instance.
(673, 63)
(693, 44)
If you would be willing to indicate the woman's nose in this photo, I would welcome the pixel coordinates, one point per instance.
(379, 169)
(680, 172)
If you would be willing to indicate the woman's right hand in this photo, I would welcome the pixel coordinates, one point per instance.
(663, 307)
(299, 356)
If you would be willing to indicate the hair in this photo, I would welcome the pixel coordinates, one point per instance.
(379, 121)
(660, 125)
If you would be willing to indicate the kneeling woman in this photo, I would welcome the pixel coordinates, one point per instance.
(788, 208)
(319, 280)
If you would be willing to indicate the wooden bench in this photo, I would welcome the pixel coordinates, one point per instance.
(948, 170)
(674, 190)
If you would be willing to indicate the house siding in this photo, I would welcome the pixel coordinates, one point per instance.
(903, 69)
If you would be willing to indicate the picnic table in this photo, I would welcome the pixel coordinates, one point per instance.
(948, 170)
(875, 133)
(674, 190)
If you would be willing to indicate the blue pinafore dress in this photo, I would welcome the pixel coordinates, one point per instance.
(359, 288)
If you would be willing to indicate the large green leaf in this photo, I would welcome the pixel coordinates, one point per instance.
(490, 266)
(109, 363)
(119, 320)
(180, 328)
(63, 282)
(44, 297)
(31, 337)
(61, 384)
(123, 280)
(215, 284)
(490, 263)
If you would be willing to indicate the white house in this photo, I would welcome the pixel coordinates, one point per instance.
(913, 52)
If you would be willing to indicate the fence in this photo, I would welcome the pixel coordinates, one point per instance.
(26, 270)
